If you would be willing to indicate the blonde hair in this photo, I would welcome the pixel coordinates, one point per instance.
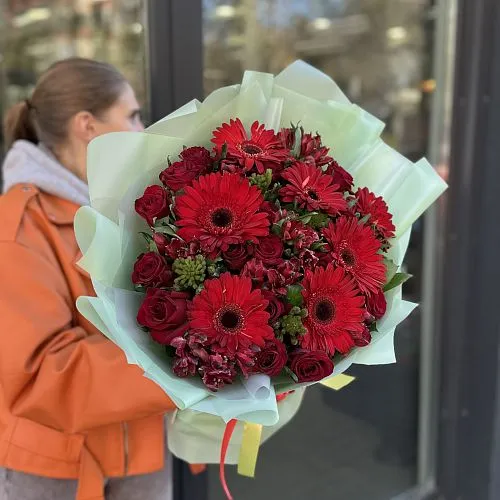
(66, 88)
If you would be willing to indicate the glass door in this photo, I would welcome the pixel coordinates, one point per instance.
(361, 443)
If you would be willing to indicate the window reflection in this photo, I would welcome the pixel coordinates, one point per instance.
(360, 443)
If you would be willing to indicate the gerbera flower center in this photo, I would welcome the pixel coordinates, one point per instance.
(230, 319)
(251, 149)
(347, 257)
(222, 217)
(313, 195)
(324, 311)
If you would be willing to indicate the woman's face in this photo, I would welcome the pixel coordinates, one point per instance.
(123, 116)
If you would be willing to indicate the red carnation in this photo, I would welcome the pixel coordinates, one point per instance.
(217, 372)
(165, 314)
(220, 210)
(285, 274)
(274, 214)
(230, 314)
(237, 255)
(376, 304)
(275, 308)
(270, 250)
(271, 359)
(151, 269)
(376, 208)
(355, 248)
(335, 310)
(255, 270)
(178, 249)
(195, 161)
(153, 204)
(340, 176)
(311, 189)
(301, 235)
(310, 366)
(308, 259)
(261, 150)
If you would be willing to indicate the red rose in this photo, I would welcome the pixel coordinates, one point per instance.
(310, 366)
(165, 314)
(194, 162)
(376, 304)
(275, 308)
(271, 359)
(340, 176)
(153, 204)
(270, 250)
(151, 269)
(362, 339)
(255, 270)
(236, 256)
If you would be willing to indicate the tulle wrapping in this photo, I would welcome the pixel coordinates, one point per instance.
(122, 164)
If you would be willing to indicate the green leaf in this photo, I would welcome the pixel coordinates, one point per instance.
(391, 269)
(364, 219)
(147, 237)
(294, 295)
(291, 374)
(397, 280)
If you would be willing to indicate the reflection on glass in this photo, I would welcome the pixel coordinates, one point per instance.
(34, 34)
(359, 443)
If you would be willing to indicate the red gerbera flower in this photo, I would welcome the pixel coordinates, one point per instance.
(219, 210)
(375, 206)
(355, 248)
(335, 310)
(312, 189)
(229, 314)
(261, 150)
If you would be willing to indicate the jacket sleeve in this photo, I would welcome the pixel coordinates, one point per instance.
(55, 373)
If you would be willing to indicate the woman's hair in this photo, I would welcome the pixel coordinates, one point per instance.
(66, 88)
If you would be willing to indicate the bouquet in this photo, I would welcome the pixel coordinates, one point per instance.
(248, 246)
(261, 258)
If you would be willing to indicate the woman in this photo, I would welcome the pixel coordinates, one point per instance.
(70, 405)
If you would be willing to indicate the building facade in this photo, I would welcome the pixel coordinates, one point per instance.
(389, 434)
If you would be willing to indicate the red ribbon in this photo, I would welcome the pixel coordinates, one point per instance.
(228, 432)
(226, 438)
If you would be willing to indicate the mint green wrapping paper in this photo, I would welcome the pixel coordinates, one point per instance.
(121, 165)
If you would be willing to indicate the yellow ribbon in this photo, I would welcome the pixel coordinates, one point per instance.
(338, 382)
(252, 433)
(249, 449)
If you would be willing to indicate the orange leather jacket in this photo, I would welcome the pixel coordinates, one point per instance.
(70, 405)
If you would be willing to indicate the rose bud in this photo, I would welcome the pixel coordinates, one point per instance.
(270, 250)
(153, 204)
(376, 304)
(275, 308)
(271, 359)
